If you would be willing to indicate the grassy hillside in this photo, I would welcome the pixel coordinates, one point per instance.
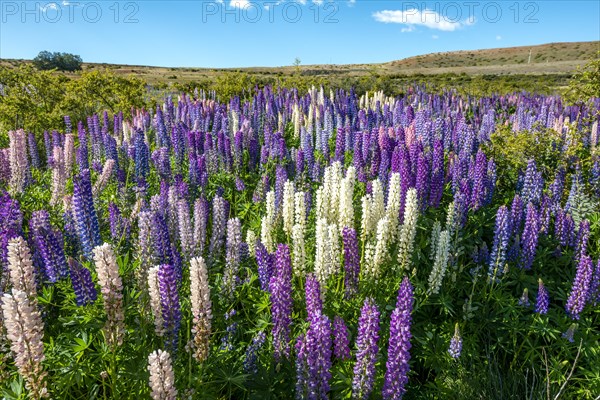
(546, 59)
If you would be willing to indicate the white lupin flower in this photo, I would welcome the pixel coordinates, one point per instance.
(112, 286)
(288, 207)
(381, 247)
(201, 308)
(155, 304)
(298, 250)
(451, 219)
(346, 209)
(69, 153)
(251, 242)
(441, 262)
(435, 235)
(321, 203)
(321, 244)
(335, 179)
(102, 180)
(408, 229)
(369, 265)
(162, 378)
(300, 210)
(365, 222)
(58, 175)
(25, 331)
(172, 217)
(186, 232)
(334, 250)
(378, 202)
(392, 210)
(270, 212)
(20, 265)
(266, 234)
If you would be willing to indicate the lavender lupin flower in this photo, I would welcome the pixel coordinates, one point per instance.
(232, 259)
(81, 279)
(580, 290)
(543, 299)
(366, 350)
(595, 286)
(524, 299)
(341, 344)
(397, 365)
(169, 297)
(455, 344)
(280, 286)
(219, 221)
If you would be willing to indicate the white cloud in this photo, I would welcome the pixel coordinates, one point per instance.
(48, 7)
(498, 37)
(435, 37)
(351, 3)
(239, 3)
(414, 17)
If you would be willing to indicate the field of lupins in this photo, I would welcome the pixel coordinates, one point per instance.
(304, 245)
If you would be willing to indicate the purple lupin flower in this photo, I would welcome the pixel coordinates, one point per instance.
(280, 179)
(437, 174)
(397, 367)
(580, 291)
(351, 261)
(341, 344)
(265, 265)
(595, 286)
(557, 188)
(251, 357)
(81, 279)
(516, 214)
(49, 243)
(583, 235)
(84, 213)
(501, 235)
(530, 237)
(313, 364)
(422, 181)
(314, 304)
(455, 343)
(543, 299)
(366, 350)
(479, 181)
(169, 301)
(280, 287)
(115, 220)
(533, 184)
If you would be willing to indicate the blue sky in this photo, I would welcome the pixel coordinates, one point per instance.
(243, 33)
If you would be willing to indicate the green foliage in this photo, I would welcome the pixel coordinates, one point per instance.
(46, 60)
(38, 100)
(585, 83)
(511, 151)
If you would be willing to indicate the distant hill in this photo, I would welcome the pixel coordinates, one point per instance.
(545, 59)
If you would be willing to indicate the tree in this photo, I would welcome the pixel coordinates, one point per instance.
(46, 60)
